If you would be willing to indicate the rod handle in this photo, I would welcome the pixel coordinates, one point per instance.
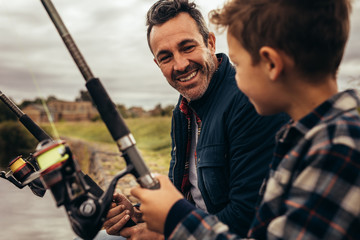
(107, 109)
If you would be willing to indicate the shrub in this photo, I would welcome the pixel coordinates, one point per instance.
(15, 140)
(5, 113)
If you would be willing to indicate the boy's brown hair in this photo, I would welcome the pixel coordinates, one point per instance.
(313, 32)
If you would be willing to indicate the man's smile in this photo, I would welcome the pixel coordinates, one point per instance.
(186, 78)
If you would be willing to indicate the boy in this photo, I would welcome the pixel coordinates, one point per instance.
(286, 55)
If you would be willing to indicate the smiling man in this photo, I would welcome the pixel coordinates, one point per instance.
(221, 148)
(187, 61)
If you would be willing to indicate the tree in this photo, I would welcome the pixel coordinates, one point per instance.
(160, 111)
(15, 140)
(122, 110)
(167, 111)
(51, 98)
(6, 114)
(84, 96)
(26, 103)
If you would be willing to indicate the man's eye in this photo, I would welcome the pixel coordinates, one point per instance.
(189, 48)
(164, 59)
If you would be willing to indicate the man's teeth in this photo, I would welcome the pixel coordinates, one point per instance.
(188, 77)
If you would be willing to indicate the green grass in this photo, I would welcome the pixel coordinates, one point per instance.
(152, 135)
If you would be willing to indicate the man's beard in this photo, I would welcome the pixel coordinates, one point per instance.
(205, 72)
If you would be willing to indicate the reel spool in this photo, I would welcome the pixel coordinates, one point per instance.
(50, 153)
(20, 169)
(24, 172)
(59, 172)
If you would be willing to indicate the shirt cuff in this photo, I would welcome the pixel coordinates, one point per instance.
(177, 213)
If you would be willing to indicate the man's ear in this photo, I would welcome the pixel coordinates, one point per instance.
(274, 63)
(211, 42)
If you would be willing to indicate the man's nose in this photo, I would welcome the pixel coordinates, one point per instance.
(181, 62)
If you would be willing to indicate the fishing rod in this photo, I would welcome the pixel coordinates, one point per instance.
(22, 170)
(30, 125)
(86, 211)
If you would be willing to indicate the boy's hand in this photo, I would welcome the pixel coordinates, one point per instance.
(156, 203)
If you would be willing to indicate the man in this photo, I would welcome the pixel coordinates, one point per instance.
(221, 147)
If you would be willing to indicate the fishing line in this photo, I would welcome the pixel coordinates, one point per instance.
(47, 111)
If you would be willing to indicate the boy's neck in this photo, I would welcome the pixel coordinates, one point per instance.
(305, 96)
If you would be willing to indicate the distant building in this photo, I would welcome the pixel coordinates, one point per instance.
(62, 111)
(36, 112)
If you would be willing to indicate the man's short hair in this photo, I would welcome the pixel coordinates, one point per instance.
(313, 32)
(164, 10)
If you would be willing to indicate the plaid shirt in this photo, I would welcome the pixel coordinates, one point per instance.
(313, 188)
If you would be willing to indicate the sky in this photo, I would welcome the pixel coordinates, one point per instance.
(111, 35)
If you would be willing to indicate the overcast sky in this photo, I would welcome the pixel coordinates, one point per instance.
(111, 35)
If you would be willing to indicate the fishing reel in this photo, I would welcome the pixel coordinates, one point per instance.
(60, 173)
(23, 172)
(85, 205)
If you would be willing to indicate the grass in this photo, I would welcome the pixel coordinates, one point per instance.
(152, 135)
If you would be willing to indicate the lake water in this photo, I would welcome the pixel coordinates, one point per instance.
(24, 216)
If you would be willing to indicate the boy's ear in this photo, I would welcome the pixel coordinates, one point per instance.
(274, 63)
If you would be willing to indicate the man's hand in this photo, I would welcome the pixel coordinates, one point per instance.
(119, 214)
(156, 203)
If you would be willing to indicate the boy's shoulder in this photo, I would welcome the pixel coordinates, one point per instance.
(340, 121)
